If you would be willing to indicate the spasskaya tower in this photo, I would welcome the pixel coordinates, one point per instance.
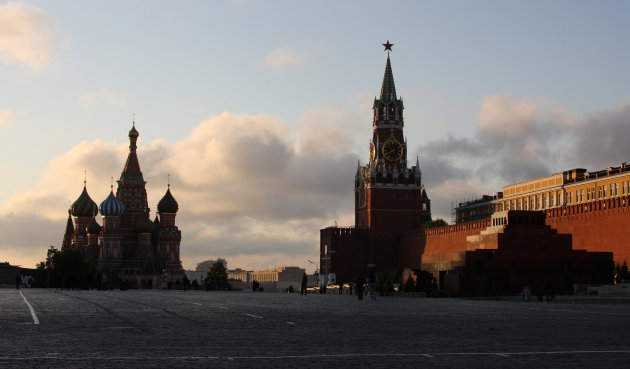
(389, 198)
(389, 195)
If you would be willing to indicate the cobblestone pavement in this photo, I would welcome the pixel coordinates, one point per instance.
(194, 329)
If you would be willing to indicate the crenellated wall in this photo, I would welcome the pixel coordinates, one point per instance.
(435, 244)
(596, 226)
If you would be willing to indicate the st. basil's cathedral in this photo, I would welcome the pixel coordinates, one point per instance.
(129, 249)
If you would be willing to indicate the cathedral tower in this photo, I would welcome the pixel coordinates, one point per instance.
(133, 194)
(111, 240)
(83, 211)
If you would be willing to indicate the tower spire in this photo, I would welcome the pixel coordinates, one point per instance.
(388, 90)
(132, 172)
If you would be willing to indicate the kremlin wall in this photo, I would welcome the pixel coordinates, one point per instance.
(560, 230)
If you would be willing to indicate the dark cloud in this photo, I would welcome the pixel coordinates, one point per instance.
(519, 139)
(602, 138)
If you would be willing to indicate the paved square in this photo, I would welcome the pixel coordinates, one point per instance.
(194, 329)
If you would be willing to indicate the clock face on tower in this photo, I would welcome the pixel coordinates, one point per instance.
(392, 150)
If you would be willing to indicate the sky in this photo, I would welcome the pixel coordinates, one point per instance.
(259, 110)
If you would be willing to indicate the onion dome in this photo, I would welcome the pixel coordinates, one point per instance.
(111, 206)
(84, 206)
(144, 224)
(133, 132)
(168, 204)
(93, 227)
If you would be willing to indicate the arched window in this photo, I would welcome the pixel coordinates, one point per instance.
(391, 111)
(381, 111)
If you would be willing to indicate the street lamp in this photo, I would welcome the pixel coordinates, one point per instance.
(316, 266)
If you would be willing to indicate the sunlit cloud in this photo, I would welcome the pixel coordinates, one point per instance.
(7, 118)
(256, 191)
(103, 97)
(285, 57)
(245, 191)
(27, 35)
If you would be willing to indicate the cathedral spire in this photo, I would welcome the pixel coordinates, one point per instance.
(67, 236)
(132, 172)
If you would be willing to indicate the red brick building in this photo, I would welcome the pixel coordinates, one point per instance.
(129, 248)
(501, 254)
(389, 196)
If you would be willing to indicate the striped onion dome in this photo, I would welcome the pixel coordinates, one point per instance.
(84, 206)
(111, 206)
(168, 204)
(93, 227)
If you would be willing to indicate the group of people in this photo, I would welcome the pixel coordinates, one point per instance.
(365, 285)
(546, 292)
(362, 286)
(186, 283)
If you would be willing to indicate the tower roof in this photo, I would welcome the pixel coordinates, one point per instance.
(388, 90)
(168, 204)
(132, 172)
(67, 237)
(144, 224)
(93, 227)
(84, 206)
(133, 132)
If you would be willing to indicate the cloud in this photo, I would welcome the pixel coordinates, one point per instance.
(517, 139)
(285, 57)
(103, 97)
(250, 189)
(7, 118)
(27, 35)
(256, 191)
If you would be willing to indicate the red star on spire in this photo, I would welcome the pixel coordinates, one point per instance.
(388, 46)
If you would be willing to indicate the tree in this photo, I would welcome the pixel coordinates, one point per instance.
(623, 272)
(70, 268)
(386, 279)
(434, 223)
(218, 277)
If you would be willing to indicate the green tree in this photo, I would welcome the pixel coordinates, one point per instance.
(70, 269)
(386, 279)
(218, 276)
(434, 223)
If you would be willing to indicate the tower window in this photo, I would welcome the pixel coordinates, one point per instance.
(391, 111)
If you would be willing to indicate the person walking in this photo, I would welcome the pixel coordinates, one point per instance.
(303, 289)
(359, 282)
(18, 280)
(526, 293)
(372, 287)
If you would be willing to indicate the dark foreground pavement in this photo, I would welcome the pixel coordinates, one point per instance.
(176, 329)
